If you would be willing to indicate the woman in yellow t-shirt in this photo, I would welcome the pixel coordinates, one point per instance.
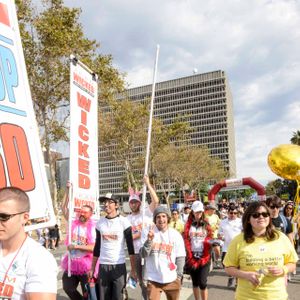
(260, 257)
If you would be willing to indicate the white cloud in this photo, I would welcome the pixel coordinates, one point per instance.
(256, 42)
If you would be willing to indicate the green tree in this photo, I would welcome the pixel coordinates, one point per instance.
(122, 135)
(49, 36)
(186, 166)
(296, 138)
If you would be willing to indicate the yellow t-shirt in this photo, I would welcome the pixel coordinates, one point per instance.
(178, 225)
(214, 222)
(260, 255)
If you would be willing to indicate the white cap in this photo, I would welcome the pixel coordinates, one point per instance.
(197, 206)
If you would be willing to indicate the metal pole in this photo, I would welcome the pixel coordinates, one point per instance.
(149, 133)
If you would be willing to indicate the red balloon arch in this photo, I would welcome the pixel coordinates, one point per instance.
(261, 192)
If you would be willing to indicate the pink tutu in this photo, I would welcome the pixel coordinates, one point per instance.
(79, 266)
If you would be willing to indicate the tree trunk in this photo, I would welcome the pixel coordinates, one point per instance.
(52, 178)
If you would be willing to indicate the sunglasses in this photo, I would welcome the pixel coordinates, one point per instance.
(233, 213)
(274, 206)
(5, 217)
(257, 215)
(109, 202)
(289, 208)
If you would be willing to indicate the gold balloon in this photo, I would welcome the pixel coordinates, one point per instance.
(284, 160)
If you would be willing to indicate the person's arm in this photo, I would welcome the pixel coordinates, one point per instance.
(87, 248)
(130, 248)
(96, 253)
(40, 296)
(281, 271)
(146, 248)
(180, 261)
(154, 198)
(289, 230)
(291, 237)
(253, 277)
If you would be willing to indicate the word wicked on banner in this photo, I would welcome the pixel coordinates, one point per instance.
(84, 181)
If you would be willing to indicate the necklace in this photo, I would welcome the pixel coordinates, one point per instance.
(12, 261)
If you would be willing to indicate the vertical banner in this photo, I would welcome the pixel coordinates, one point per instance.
(84, 167)
(21, 160)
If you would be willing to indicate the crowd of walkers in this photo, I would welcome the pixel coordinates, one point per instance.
(256, 243)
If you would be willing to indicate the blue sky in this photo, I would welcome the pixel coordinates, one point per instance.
(257, 43)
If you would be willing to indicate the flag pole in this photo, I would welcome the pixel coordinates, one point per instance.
(149, 134)
(70, 226)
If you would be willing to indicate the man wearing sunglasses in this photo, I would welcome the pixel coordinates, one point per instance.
(27, 270)
(229, 228)
(279, 221)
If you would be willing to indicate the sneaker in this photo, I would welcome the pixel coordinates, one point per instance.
(230, 282)
(218, 265)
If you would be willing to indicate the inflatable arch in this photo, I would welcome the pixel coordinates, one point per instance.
(261, 192)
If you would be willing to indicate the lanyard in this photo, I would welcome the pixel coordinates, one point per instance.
(12, 261)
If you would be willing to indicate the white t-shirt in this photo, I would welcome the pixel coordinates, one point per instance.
(80, 237)
(136, 222)
(166, 246)
(112, 250)
(33, 270)
(197, 236)
(229, 229)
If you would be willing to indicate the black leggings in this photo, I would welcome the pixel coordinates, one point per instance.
(70, 285)
(199, 276)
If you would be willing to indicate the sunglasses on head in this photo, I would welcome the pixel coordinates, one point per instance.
(5, 217)
(257, 215)
(274, 206)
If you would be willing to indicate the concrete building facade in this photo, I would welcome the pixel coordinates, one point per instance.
(206, 100)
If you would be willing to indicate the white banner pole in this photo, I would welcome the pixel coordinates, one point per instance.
(149, 134)
(70, 206)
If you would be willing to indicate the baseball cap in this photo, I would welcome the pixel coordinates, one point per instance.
(109, 196)
(197, 206)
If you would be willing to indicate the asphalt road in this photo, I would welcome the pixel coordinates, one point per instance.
(217, 281)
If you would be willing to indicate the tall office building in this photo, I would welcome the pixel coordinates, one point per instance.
(206, 100)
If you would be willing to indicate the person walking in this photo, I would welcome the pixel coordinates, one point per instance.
(27, 269)
(138, 224)
(164, 254)
(278, 219)
(112, 231)
(81, 253)
(260, 257)
(229, 228)
(197, 236)
(213, 219)
(176, 223)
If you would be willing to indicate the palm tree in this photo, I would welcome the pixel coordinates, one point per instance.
(296, 138)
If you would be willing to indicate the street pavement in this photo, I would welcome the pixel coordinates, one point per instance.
(217, 281)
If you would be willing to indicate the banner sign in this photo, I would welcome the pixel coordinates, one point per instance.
(21, 160)
(234, 182)
(83, 137)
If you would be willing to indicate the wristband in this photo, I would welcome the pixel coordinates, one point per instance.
(285, 270)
